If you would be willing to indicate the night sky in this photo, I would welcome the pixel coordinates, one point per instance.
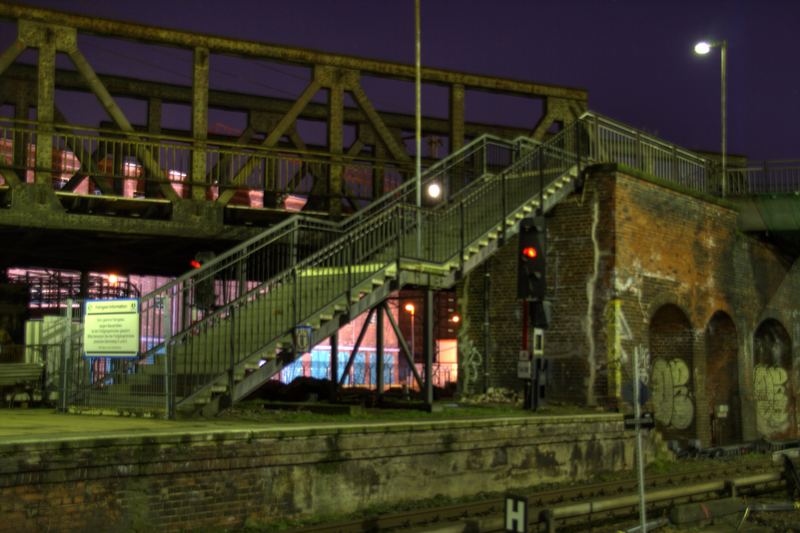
(634, 57)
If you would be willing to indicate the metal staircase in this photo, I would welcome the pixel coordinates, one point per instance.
(316, 274)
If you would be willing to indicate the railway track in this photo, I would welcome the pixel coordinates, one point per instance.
(578, 508)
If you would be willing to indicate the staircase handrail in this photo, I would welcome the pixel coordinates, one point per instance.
(293, 224)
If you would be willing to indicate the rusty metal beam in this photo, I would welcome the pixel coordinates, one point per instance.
(247, 102)
(45, 106)
(274, 136)
(224, 45)
(456, 117)
(380, 128)
(10, 54)
(97, 87)
(199, 122)
(336, 147)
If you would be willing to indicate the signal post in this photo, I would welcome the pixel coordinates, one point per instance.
(531, 290)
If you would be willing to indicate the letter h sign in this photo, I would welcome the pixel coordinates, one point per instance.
(516, 514)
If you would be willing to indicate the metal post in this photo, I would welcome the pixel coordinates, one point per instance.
(232, 355)
(65, 355)
(429, 346)
(503, 207)
(461, 236)
(334, 342)
(540, 210)
(418, 111)
(637, 414)
(166, 328)
(723, 54)
(379, 352)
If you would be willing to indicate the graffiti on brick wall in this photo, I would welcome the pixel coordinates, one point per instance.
(770, 384)
(672, 399)
(617, 331)
(471, 363)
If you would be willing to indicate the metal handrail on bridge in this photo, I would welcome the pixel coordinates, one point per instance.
(113, 158)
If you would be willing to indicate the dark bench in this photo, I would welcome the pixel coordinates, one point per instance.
(16, 378)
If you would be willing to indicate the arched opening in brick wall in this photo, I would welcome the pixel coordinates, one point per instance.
(722, 380)
(671, 382)
(772, 381)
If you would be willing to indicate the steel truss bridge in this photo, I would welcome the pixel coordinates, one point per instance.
(118, 190)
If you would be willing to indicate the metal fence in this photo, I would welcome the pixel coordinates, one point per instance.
(770, 177)
(137, 164)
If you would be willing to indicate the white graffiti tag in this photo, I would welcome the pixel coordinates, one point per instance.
(672, 401)
(772, 415)
(470, 361)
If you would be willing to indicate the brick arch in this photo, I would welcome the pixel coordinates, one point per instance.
(773, 386)
(671, 381)
(665, 300)
(722, 380)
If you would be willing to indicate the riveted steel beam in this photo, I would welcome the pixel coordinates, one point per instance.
(199, 122)
(162, 36)
(241, 101)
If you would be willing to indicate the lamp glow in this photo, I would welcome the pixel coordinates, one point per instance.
(410, 308)
(702, 48)
(434, 190)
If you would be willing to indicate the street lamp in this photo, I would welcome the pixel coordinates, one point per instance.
(411, 309)
(703, 48)
(434, 190)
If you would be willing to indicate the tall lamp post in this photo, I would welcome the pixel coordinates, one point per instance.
(418, 121)
(702, 48)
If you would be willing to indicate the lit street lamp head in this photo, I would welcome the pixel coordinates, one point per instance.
(702, 48)
(434, 190)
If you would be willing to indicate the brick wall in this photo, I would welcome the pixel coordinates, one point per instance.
(618, 253)
(261, 477)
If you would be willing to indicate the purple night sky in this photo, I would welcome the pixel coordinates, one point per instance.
(634, 57)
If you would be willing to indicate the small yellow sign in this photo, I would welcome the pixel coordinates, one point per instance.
(111, 328)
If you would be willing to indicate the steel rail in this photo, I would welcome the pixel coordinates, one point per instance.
(569, 501)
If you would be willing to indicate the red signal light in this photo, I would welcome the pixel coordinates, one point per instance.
(194, 263)
(530, 252)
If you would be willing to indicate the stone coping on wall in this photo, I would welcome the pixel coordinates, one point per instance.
(244, 431)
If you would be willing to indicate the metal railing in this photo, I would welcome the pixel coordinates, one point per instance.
(770, 177)
(615, 142)
(260, 290)
(136, 164)
(288, 276)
